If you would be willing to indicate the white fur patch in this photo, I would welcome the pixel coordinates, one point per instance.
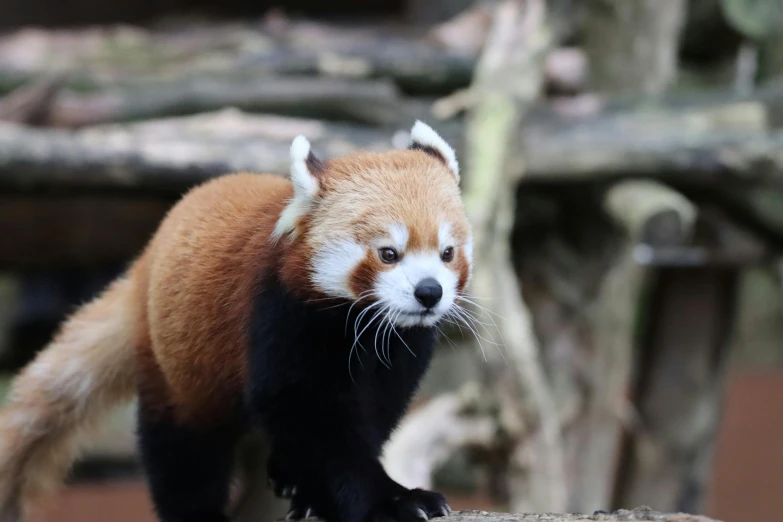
(426, 136)
(399, 234)
(295, 209)
(445, 239)
(468, 249)
(395, 288)
(305, 188)
(304, 182)
(332, 267)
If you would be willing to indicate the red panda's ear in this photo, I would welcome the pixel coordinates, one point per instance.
(424, 138)
(305, 172)
(305, 168)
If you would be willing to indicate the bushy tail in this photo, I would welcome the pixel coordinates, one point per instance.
(86, 370)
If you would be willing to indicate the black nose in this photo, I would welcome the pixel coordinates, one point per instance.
(428, 292)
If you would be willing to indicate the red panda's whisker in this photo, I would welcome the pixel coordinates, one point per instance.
(470, 317)
(369, 323)
(489, 316)
(448, 317)
(484, 325)
(391, 331)
(475, 317)
(484, 308)
(387, 352)
(356, 326)
(469, 296)
(458, 312)
(444, 336)
(375, 343)
(401, 339)
(366, 293)
(476, 323)
(377, 331)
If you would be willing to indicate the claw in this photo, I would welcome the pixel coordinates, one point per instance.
(422, 514)
(308, 512)
(287, 492)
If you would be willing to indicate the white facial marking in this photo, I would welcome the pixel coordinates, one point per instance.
(305, 188)
(399, 234)
(332, 267)
(424, 135)
(445, 239)
(395, 288)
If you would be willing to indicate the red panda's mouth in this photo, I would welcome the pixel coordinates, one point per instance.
(423, 313)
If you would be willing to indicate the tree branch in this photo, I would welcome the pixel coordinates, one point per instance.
(508, 79)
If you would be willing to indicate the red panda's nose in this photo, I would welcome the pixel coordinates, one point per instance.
(428, 292)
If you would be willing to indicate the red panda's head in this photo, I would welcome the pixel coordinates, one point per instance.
(384, 229)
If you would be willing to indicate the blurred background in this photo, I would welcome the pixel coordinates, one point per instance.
(622, 165)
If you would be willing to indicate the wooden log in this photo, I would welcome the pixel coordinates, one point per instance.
(701, 143)
(640, 514)
(31, 104)
(419, 61)
(166, 156)
(175, 153)
(373, 102)
(97, 59)
(651, 213)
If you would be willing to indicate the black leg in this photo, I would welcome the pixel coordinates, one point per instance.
(188, 471)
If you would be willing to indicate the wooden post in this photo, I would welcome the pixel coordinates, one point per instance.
(678, 390)
(633, 46)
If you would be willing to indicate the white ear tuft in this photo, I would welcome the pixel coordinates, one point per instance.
(305, 186)
(424, 136)
(303, 180)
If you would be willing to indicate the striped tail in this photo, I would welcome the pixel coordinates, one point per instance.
(85, 371)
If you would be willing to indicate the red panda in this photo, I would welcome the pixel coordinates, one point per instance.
(305, 306)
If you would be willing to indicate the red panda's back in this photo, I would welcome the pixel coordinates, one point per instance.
(200, 268)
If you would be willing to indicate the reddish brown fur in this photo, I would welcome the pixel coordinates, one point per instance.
(363, 276)
(204, 264)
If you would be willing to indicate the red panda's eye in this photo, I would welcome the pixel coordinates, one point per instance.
(389, 255)
(447, 255)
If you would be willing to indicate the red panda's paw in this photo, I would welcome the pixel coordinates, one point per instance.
(279, 481)
(414, 505)
(298, 512)
(281, 489)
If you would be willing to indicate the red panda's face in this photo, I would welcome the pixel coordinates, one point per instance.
(387, 231)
